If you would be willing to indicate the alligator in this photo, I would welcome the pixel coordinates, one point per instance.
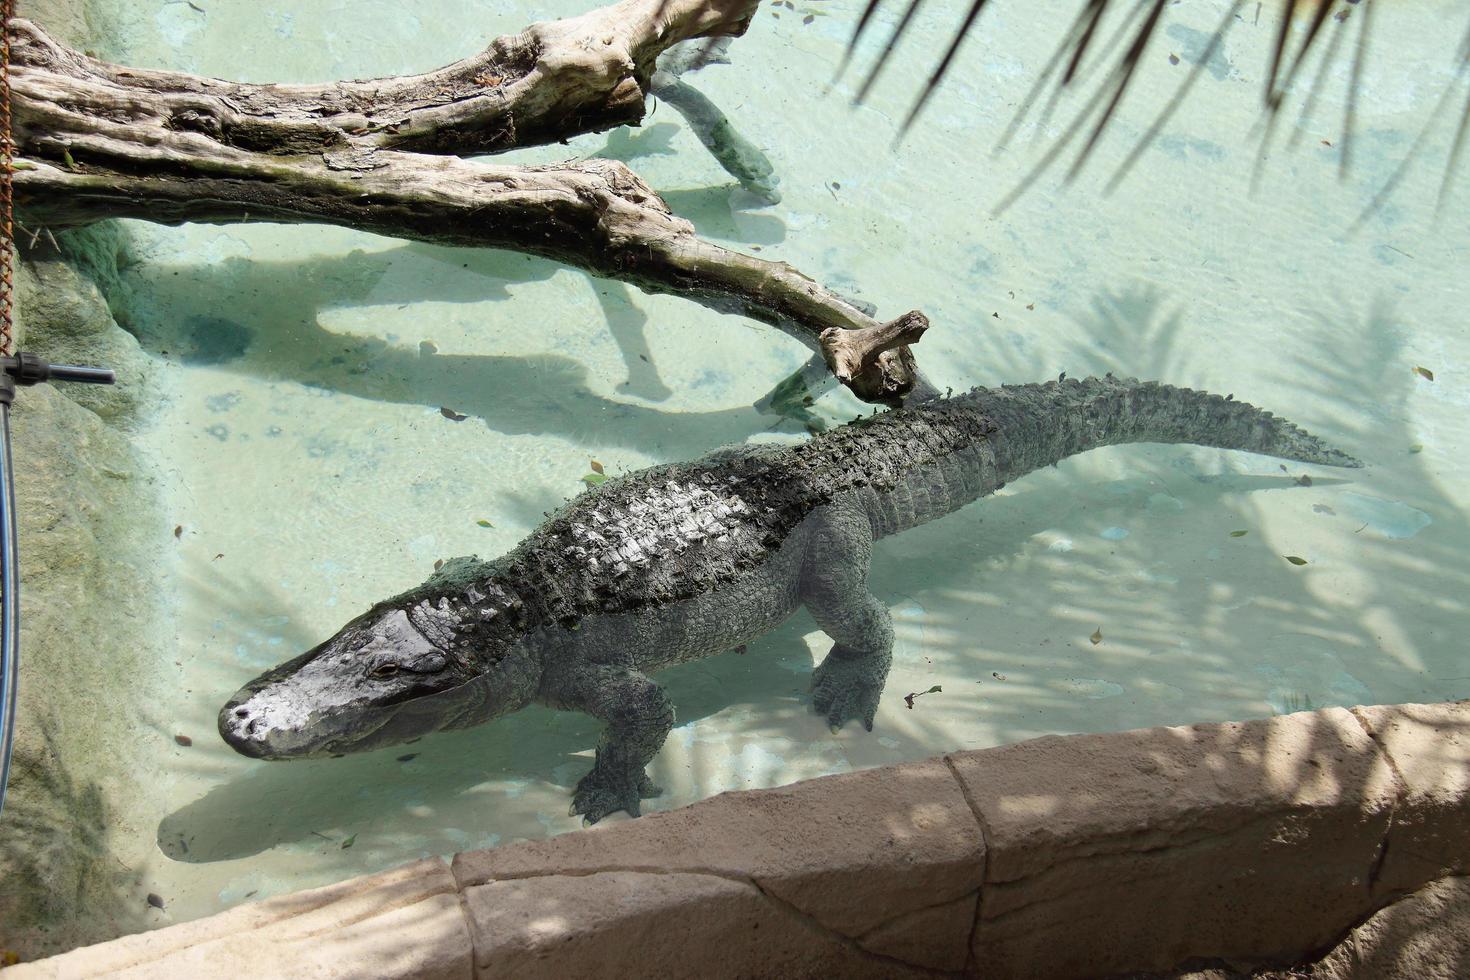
(678, 562)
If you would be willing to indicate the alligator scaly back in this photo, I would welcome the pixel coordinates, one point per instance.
(1041, 424)
(915, 464)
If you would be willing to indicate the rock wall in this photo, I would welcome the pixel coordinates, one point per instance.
(89, 531)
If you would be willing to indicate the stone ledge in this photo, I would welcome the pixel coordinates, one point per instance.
(1429, 745)
(1252, 843)
(1137, 851)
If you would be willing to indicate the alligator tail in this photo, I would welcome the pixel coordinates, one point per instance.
(1040, 424)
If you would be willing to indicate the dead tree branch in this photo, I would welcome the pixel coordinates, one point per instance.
(100, 141)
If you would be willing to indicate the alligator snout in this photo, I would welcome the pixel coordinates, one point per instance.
(243, 729)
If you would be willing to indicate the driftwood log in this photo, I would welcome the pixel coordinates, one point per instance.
(96, 140)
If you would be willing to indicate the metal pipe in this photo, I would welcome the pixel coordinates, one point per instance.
(87, 375)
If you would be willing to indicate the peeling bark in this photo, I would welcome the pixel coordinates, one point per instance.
(99, 141)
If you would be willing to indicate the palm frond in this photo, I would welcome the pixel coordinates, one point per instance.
(1294, 46)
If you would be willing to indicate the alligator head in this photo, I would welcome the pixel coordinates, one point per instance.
(445, 655)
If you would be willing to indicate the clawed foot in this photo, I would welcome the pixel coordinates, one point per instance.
(848, 684)
(599, 794)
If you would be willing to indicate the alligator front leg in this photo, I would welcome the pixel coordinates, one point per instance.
(638, 716)
(834, 587)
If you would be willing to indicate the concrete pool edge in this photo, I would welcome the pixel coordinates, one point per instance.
(1250, 844)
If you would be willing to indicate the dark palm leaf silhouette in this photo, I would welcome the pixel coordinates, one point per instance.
(1327, 24)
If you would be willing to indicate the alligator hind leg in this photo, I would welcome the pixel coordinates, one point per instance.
(638, 716)
(834, 587)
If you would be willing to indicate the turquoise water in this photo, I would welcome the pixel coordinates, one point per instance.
(303, 451)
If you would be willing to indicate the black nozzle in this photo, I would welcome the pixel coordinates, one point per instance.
(83, 375)
(27, 369)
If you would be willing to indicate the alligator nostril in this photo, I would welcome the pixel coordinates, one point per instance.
(253, 727)
(242, 712)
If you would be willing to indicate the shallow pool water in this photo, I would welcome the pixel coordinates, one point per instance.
(305, 454)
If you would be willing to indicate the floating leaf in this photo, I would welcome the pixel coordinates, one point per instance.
(594, 479)
(184, 740)
(1295, 560)
(1304, 480)
(409, 757)
(1239, 534)
(1417, 447)
(1424, 373)
(484, 523)
(155, 901)
(596, 467)
(999, 677)
(452, 415)
(178, 530)
(1096, 636)
(349, 842)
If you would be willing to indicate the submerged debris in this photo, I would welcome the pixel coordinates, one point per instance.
(908, 699)
(184, 740)
(1096, 636)
(349, 842)
(1424, 373)
(596, 467)
(1295, 560)
(452, 415)
(1239, 534)
(409, 757)
(155, 901)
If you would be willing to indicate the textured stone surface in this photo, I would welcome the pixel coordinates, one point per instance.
(628, 924)
(90, 544)
(936, 937)
(1425, 936)
(853, 851)
(66, 320)
(1429, 746)
(1142, 850)
(401, 923)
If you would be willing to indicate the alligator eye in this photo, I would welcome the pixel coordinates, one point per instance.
(384, 670)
